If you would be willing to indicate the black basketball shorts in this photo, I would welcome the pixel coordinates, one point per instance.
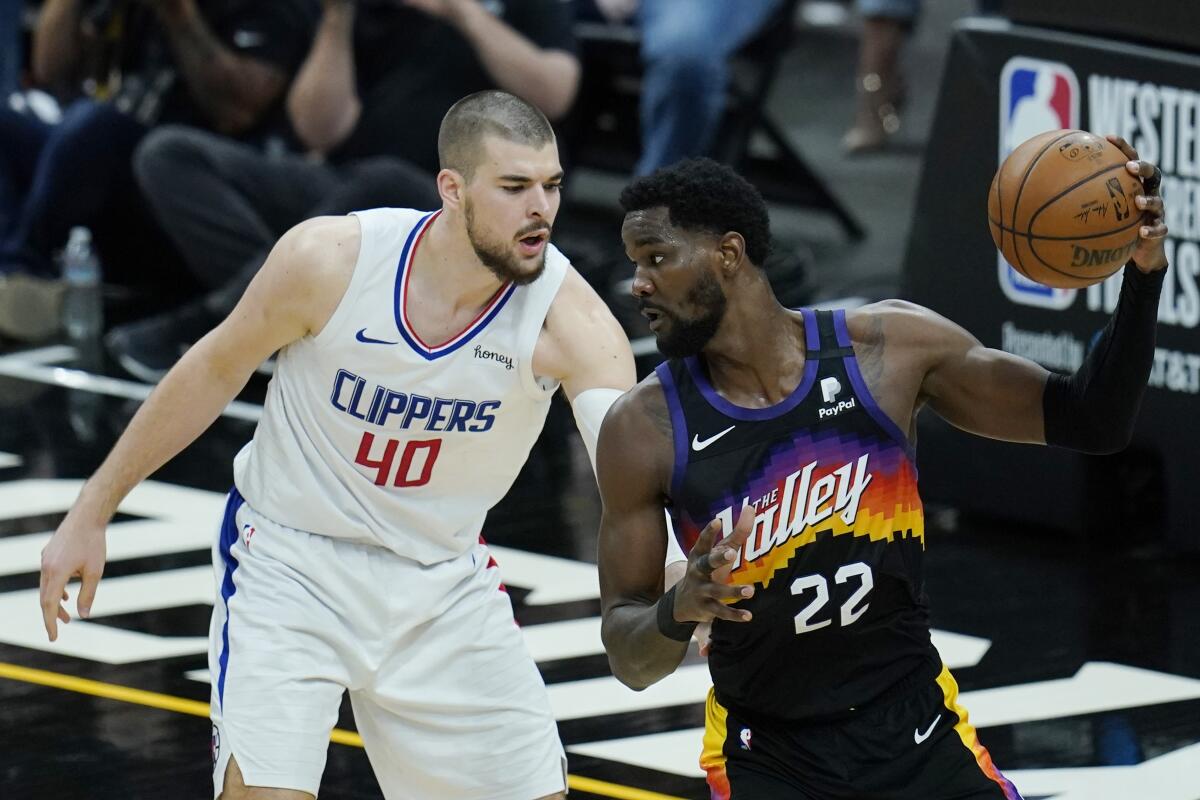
(915, 744)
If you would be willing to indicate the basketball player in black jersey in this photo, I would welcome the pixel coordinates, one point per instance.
(799, 426)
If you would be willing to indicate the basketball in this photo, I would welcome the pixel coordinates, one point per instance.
(1061, 209)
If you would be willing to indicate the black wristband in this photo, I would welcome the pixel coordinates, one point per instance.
(665, 616)
(1140, 282)
(1094, 409)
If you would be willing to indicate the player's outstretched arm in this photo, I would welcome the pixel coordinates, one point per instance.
(633, 459)
(1093, 409)
(293, 294)
(645, 631)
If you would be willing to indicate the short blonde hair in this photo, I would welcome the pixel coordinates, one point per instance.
(489, 113)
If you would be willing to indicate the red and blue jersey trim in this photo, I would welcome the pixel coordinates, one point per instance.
(404, 269)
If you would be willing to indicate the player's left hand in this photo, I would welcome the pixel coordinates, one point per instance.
(1149, 255)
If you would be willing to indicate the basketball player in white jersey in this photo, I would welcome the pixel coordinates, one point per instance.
(418, 353)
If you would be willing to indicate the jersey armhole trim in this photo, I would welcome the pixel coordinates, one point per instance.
(860, 388)
(678, 428)
(535, 387)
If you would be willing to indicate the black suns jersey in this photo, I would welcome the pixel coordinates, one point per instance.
(839, 611)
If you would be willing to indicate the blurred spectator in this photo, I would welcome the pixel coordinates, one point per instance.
(11, 52)
(879, 84)
(222, 64)
(10, 47)
(369, 99)
(685, 49)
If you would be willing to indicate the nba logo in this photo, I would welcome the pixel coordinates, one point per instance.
(1035, 97)
(745, 737)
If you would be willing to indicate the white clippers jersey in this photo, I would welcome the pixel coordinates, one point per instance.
(372, 435)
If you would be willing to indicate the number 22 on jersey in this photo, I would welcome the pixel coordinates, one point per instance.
(854, 607)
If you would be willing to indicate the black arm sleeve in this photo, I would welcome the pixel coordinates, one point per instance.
(1094, 409)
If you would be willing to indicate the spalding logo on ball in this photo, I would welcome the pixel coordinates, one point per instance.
(1061, 209)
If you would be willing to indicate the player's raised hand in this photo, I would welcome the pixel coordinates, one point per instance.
(700, 596)
(1149, 255)
(76, 549)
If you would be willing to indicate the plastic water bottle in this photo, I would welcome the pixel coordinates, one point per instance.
(82, 319)
(83, 306)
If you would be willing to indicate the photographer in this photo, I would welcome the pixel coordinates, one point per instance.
(126, 67)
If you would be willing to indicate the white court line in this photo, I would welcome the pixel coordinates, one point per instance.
(120, 595)
(36, 365)
(42, 355)
(644, 346)
(1097, 686)
(1164, 777)
(672, 752)
(689, 684)
(551, 579)
(177, 519)
(958, 650)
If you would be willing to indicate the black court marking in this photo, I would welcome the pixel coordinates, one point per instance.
(46, 523)
(181, 705)
(119, 567)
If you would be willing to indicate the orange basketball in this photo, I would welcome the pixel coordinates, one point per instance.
(1061, 209)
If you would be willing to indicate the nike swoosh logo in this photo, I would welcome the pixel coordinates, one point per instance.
(699, 444)
(362, 337)
(919, 737)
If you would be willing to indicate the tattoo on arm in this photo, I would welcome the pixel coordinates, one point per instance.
(659, 414)
(870, 351)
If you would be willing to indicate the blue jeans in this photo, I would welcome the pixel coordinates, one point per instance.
(905, 10)
(21, 140)
(686, 46)
(75, 172)
(10, 47)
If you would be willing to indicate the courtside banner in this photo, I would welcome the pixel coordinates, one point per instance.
(1002, 85)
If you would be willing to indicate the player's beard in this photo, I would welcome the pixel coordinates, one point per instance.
(499, 257)
(687, 337)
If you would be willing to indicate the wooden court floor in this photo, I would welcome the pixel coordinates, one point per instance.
(1081, 670)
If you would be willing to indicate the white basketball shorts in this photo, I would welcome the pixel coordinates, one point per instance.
(446, 697)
